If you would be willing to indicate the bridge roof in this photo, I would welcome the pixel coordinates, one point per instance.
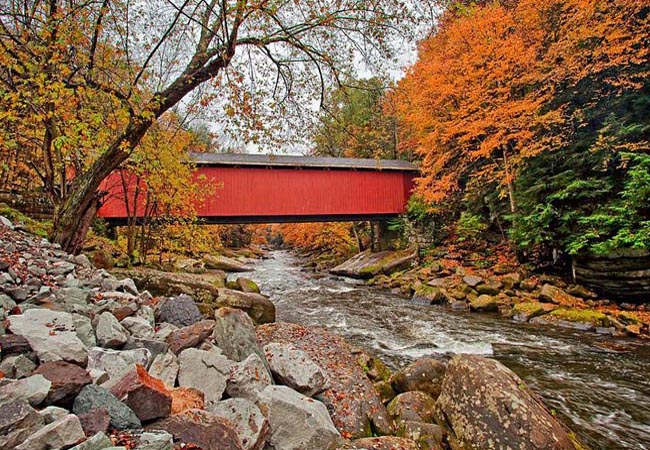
(241, 159)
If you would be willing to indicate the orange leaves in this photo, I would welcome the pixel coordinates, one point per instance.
(332, 238)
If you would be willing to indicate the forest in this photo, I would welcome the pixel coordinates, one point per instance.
(529, 122)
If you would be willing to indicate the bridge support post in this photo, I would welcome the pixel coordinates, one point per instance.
(383, 238)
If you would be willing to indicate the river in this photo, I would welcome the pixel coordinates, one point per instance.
(599, 387)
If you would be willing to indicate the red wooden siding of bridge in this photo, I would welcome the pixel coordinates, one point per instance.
(262, 189)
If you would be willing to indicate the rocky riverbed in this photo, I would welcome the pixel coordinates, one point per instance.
(90, 361)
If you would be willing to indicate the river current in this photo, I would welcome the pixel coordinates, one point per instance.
(598, 386)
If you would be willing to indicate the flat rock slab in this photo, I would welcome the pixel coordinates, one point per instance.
(32, 389)
(51, 334)
(63, 432)
(147, 396)
(18, 421)
(250, 424)
(294, 368)
(201, 428)
(190, 336)
(297, 422)
(218, 262)
(98, 441)
(484, 401)
(351, 399)
(367, 264)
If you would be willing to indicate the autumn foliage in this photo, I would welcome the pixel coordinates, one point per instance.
(534, 115)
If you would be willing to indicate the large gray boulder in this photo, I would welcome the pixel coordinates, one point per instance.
(109, 332)
(250, 424)
(258, 307)
(368, 264)
(234, 334)
(297, 422)
(180, 311)
(482, 402)
(218, 262)
(61, 433)
(205, 370)
(96, 397)
(294, 368)
(51, 334)
(248, 378)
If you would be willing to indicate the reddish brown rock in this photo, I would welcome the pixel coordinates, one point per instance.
(123, 311)
(184, 398)
(147, 396)
(200, 428)
(190, 336)
(94, 421)
(67, 380)
(14, 344)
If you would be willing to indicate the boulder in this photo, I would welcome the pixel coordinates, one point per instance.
(554, 294)
(116, 363)
(381, 443)
(148, 397)
(427, 435)
(67, 381)
(189, 336)
(202, 428)
(32, 389)
(251, 426)
(180, 311)
(205, 370)
(96, 397)
(18, 421)
(138, 327)
(258, 307)
(51, 334)
(472, 280)
(297, 422)
(350, 397)
(61, 433)
(484, 401)
(184, 398)
(414, 406)
(168, 284)
(98, 441)
(17, 366)
(423, 375)
(248, 378)
(247, 285)
(234, 334)
(95, 421)
(385, 391)
(484, 303)
(367, 264)
(294, 368)
(159, 440)
(218, 262)
(52, 413)
(523, 312)
(165, 367)
(156, 347)
(109, 332)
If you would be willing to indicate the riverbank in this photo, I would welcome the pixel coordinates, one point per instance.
(92, 361)
(507, 289)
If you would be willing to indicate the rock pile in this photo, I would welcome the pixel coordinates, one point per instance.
(89, 361)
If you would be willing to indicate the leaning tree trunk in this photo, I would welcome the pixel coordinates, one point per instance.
(73, 217)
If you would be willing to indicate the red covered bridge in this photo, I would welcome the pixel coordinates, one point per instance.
(270, 189)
